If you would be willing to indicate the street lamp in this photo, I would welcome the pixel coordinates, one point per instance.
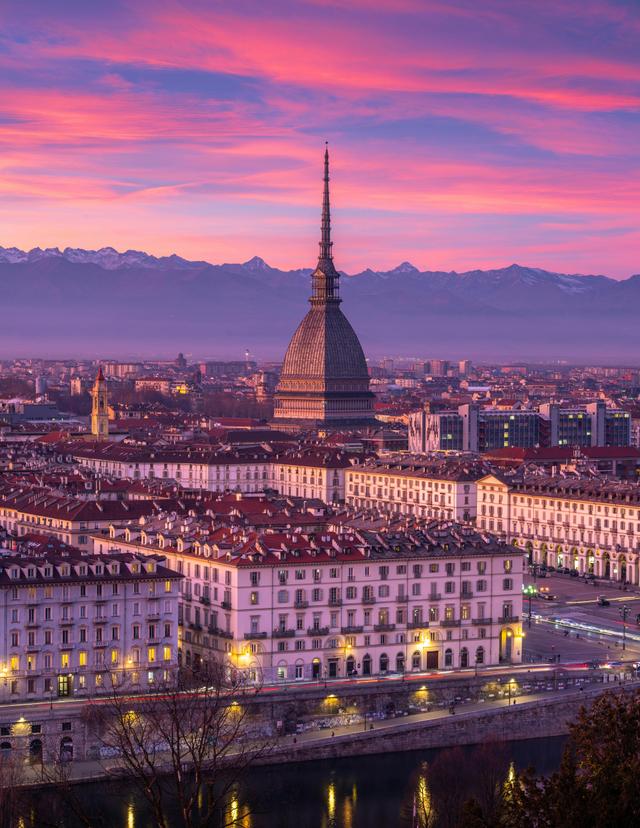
(529, 591)
(624, 612)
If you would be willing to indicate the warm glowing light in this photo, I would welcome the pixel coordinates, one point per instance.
(131, 816)
(331, 802)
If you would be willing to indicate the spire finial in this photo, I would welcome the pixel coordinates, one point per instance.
(325, 227)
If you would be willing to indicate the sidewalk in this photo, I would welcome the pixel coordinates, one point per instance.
(92, 770)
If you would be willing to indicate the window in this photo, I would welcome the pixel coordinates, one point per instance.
(507, 584)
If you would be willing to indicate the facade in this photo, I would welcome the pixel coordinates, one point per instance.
(74, 625)
(100, 408)
(324, 383)
(292, 606)
(313, 473)
(70, 520)
(583, 523)
(472, 428)
(410, 486)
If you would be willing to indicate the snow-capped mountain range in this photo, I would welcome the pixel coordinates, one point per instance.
(69, 298)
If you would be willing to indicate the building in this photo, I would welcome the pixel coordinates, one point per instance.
(293, 606)
(590, 524)
(70, 520)
(436, 489)
(73, 624)
(100, 408)
(472, 428)
(324, 383)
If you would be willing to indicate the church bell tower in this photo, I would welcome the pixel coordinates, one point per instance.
(99, 408)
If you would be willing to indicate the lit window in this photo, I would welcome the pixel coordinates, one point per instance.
(152, 654)
(166, 653)
(64, 660)
(82, 658)
(114, 656)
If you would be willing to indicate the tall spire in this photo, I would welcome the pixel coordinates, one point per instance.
(325, 227)
(325, 277)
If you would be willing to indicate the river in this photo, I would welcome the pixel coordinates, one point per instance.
(361, 792)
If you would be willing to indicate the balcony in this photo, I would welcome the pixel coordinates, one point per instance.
(368, 599)
(226, 605)
(384, 627)
(351, 630)
(221, 633)
(466, 594)
(450, 622)
(204, 599)
(507, 619)
(317, 630)
(187, 596)
(402, 598)
(434, 596)
(481, 621)
(335, 602)
(300, 604)
(254, 636)
(417, 625)
(278, 633)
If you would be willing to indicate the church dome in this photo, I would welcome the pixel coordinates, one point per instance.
(325, 346)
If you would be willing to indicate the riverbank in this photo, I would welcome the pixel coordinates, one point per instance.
(498, 720)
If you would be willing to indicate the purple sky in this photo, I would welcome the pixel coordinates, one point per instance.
(464, 133)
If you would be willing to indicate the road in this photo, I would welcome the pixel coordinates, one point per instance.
(574, 627)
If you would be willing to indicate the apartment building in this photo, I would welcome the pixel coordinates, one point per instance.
(309, 473)
(411, 485)
(590, 524)
(292, 606)
(73, 624)
(472, 428)
(25, 509)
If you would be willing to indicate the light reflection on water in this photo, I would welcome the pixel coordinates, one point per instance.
(393, 790)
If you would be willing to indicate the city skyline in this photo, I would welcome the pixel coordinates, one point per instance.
(463, 137)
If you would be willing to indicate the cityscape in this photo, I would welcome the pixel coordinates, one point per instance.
(291, 545)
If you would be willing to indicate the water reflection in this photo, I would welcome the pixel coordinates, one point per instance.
(407, 790)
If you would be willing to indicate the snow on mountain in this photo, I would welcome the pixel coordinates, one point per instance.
(106, 257)
(256, 264)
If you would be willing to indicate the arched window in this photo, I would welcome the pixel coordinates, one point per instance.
(415, 660)
(384, 663)
(464, 657)
(480, 655)
(448, 658)
(351, 665)
(400, 663)
(366, 665)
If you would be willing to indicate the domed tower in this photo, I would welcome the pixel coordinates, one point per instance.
(324, 382)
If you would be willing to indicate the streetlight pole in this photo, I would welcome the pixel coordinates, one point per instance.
(624, 612)
(529, 592)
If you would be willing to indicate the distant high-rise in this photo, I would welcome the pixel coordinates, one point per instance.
(324, 381)
(99, 408)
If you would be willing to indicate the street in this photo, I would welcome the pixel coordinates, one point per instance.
(573, 627)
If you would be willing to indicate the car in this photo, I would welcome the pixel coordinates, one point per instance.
(574, 573)
(590, 576)
(551, 569)
(603, 601)
(547, 596)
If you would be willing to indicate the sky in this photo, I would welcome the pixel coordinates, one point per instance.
(463, 133)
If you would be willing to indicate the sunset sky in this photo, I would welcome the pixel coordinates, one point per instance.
(463, 133)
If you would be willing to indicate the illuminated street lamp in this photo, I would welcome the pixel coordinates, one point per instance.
(529, 591)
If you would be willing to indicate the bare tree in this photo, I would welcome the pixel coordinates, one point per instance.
(11, 793)
(186, 746)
